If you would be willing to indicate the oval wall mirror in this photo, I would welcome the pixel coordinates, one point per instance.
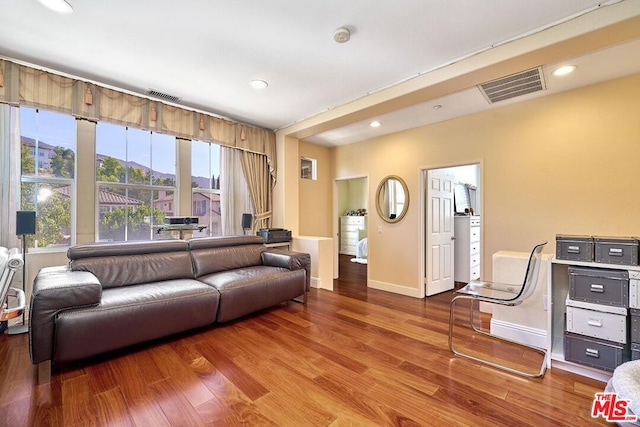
(392, 198)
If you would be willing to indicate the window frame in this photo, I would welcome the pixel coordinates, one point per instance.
(37, 179)
(153, 188)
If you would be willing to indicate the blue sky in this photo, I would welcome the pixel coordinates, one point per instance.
(152, 150)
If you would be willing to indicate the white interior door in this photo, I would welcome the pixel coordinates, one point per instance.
(439, 238)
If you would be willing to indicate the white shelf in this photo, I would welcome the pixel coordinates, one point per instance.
(596, 264)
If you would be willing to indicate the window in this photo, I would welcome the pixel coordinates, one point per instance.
(308, 168)
(136, 175)
(48, 180)
(205, 184)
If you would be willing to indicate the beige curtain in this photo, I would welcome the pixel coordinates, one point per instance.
(213, 129)
(256, 172)
(20, 84)
(123, 109)
(234, 193)
(9, 82)
(177, 121)
(9, 174)
(45, 90)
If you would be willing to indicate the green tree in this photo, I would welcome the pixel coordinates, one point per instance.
(63, 162)
(53, 213)
(137, 221)
(27, 161)
(54, 219)
(110, 170)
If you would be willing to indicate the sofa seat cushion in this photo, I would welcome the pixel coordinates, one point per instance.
(245, 290)
(134, 314)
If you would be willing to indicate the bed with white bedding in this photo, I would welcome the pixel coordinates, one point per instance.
(361, 252)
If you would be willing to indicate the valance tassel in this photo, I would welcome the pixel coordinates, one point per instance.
(88, 96)
(1, 78)
(152, 114)
(242, 135)
(201, 124)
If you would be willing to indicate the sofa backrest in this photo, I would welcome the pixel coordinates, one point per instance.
(129, 263)
(214, 254)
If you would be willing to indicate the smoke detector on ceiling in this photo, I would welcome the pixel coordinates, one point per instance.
(342, 35)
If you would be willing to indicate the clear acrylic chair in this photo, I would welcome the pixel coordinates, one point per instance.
(504, 294)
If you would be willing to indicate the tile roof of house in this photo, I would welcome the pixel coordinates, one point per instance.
(108, 197)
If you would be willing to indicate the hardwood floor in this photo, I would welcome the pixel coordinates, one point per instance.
(350, 357)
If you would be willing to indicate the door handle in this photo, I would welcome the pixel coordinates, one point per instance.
(453, 237)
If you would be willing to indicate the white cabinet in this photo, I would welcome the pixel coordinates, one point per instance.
(352, 229)
(467, 248)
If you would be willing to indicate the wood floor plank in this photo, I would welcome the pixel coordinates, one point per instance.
(176, 407)
(78, 403)
(351, 357)
(140, 399)
(111, 409)
(225, 366)
(240, 408)
(171, 365)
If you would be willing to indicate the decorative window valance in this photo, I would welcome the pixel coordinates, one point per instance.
(23, 85)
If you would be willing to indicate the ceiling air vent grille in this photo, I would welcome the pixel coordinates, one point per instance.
(514, 85)
(163, 96)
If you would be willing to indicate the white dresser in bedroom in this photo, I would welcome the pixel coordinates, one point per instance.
(467, 248)
(351, 230)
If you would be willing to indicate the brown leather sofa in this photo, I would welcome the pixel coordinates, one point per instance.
(113, 295)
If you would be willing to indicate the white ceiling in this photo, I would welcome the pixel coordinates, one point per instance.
(207, 52)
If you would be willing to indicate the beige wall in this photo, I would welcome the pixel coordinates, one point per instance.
(353, 194)
(316, 196)
(565, 163)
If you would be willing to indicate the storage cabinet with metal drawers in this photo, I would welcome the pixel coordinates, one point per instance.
(597, 331)
(350, 232)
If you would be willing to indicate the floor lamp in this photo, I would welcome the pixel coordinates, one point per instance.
(25, 224)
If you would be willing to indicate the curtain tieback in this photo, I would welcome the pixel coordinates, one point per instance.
(261, 216)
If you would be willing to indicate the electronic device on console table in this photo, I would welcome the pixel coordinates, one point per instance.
(274, 235)
(180, 220)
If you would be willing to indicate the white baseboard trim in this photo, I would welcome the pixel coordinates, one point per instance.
(585, 371)
(396, 289)
(317, 283)
(519, 333)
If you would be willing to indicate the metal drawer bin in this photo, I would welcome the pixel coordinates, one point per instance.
(574, 248)
(594, 353)
(597, 324)
(599, 285)
(635, 325)
(635, 351)
(616, 250)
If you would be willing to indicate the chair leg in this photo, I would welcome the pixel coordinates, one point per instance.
(485, 361)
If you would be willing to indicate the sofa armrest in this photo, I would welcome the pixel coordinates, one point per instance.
(56, 289)
(289, 259)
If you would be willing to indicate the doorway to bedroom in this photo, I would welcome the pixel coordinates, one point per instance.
(452, 239)
(351, 224)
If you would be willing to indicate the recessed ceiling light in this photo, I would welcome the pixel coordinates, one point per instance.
(375, 124)
(259, 84)
(564, 70)
(437, 107)
(60, 6)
